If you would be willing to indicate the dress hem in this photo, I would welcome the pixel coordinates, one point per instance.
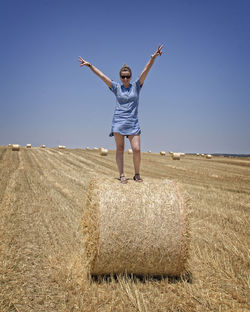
(112, 133)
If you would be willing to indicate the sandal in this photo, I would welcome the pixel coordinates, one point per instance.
(123, 179)
(137, 178)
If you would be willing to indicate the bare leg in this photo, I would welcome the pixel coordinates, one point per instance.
(119, 140)
(136, 147)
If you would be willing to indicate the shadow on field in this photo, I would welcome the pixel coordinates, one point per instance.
(108, 278)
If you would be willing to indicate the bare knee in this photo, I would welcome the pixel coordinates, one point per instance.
(136, 150)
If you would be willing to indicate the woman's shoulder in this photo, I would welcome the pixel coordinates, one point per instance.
(115, 82)
(114, 86)
(137, 84)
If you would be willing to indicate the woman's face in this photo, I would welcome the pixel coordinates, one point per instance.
(125, 78)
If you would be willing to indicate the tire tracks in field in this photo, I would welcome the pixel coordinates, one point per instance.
(84, 158)
(56, 169)
(3, 150)
(41, 227)
(67, 191)
(76, 163)
(96, 159)
(26, 246)
(8, 165)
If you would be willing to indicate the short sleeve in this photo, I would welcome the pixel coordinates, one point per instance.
(138, 86)
(114, 87)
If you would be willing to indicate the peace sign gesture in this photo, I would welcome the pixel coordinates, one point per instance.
(82, 62)
(159, 50)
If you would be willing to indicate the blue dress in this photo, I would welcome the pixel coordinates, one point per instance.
(125, 119)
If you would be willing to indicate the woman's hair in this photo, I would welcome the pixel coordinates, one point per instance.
(126, 68)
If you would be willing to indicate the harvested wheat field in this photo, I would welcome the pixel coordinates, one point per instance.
(42, 259)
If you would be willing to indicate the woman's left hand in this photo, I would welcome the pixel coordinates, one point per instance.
(159, 50)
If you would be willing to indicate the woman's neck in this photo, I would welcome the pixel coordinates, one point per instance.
(126, 85)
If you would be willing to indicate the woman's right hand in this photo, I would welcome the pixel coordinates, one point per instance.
(96, 71)
(82, 62)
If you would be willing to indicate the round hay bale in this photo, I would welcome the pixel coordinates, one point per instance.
(149, 151)
(139, 228)
(28, 145)
(87, 148)
(182, 154)
(61, 146)
(42, 146)
(162, 153)
(9, 145)
(130, 151)
(176, 156)
(103, 152)
(209, 156)
(15, 147)
(95, 149)
(197, 154)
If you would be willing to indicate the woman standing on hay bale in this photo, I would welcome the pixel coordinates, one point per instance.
(125, 120)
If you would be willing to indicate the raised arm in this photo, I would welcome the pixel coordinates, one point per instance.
(149, 64)
(95, 70)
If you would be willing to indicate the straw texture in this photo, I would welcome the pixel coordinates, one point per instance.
(162, 153)
(139, 228)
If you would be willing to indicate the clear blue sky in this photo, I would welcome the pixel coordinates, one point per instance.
(196, 97)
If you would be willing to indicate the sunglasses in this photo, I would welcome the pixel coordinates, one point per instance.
(123, 77)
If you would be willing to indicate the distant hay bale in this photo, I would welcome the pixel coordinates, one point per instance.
(176, 156)
(197, 154)
(202, 155)
(28, 145)
(87, 148)
(15, 147)
(95, 149)
(103, 152)
(182, 154)
(43, 146)
(149, 151)
(139, 228)
(61, 146)
(162, 153)
(208, 156)
(130, 151)
(9, 145)
(171, 153)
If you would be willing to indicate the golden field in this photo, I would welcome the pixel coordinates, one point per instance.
(42, 263)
